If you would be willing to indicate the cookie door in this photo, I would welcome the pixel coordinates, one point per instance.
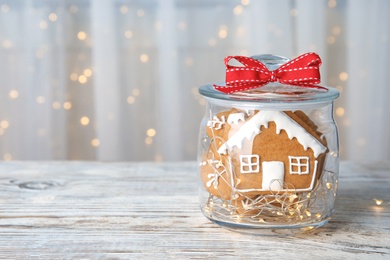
(273, 175)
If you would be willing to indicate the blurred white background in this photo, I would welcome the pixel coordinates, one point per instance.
(117, 80)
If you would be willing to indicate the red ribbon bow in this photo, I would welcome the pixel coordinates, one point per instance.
(302, 71)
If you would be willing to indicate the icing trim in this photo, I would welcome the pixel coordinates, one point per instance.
(299, 164)
(235, 118)
(282, 121)
(246, 163)
(310, 188)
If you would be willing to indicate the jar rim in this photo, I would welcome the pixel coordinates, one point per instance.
(273, 94)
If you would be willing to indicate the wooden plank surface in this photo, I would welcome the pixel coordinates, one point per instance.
(91, 210)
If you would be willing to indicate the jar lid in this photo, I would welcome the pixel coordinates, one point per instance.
(274, 94)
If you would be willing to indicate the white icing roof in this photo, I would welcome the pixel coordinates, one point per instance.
(282, 121)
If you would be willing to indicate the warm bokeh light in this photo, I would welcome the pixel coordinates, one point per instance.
(4, 124)
(340, 111)
(13, 94)
(332, 3)
(151, 132)
(67, 105)
(124, 9)
(130, 99)
(343, 76)
(95, 142)
(74, 77)
(7, 44)
(43, 25)
(128, 34)
(40, 99)
(136, 92)
(88, 72)
(148, 140)
(84, 120)
(83, 79)
(238, 10)
(53, 17)
(81, 35)
(7, 157)
(4, 8)
(56, 105)
(144, 58)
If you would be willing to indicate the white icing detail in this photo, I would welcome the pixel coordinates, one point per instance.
(282, 121)
(216, 122)
(294, 190)
(273, 175)
(235, 118)
(300, 162)
(213, 179)
(246, 164)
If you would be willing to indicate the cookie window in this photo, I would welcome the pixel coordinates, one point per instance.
(299, 164)
(249, 163)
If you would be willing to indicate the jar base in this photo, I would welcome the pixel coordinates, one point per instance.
(271, 230)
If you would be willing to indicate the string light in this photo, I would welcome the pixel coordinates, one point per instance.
(331, 39)
(151, 132)
(136, 92)
(144, 58)
(7, 44)
(128, 34)
(67, 105)
(148, 140)
(73, 9)
(81, 35)
(43, 25)
(95, 142)
(124, 9)
(140, 12)
(4, 124)
(343, 76)
(13, 94)
(7, 157)
(378, 202)
(238, 10)
(340, 111)
(336, 30)
(340, 88)
(130, 99)
(332, 3)
(53, 17)
(83, 79)
(4, 8)
(56, 105)
(223, 32)
(245, 2)
(84, 120)
(294, 12)
(74, 77)
(88, 72)
(40, 99)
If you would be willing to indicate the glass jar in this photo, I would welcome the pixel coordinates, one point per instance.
(269, 157)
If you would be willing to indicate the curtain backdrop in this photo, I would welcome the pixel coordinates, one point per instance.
(117, 80)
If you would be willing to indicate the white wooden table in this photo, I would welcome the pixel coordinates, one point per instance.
(89, 210)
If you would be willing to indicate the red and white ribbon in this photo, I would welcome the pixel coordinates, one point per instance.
(302, 71)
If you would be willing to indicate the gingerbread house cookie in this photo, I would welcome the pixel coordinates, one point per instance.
(262, 152)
